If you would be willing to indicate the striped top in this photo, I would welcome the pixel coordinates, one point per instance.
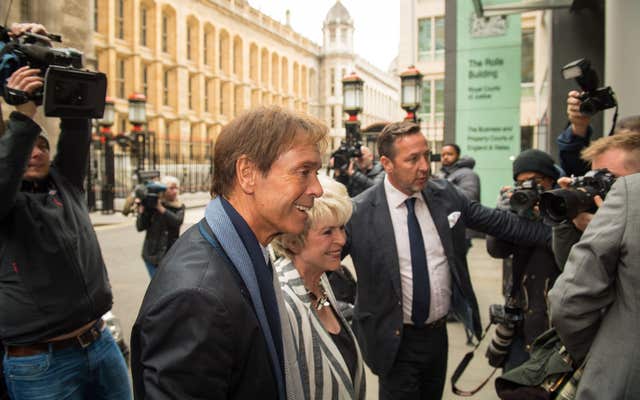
(325, 374)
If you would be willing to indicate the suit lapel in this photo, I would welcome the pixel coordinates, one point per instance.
(383, 229)
(438, 211)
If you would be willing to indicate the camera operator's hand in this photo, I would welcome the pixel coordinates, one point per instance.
(579, 122)
(160, 208)
(139, 206)
(352, 167)
(26, 80)
(504, 197)
(582, 220)
(17, 29)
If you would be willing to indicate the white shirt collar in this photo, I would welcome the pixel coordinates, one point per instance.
(395, 198)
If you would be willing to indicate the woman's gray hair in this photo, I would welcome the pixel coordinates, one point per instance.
(334, 206)
(168, 179)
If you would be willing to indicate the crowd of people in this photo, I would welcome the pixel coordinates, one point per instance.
(240, 305)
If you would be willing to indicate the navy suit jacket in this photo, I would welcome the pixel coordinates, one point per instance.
(372, 246)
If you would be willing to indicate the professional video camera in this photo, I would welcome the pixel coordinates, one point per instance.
(565, 204)
(506, 318)
(525, 196)
(343, 155)
(68, 92)
(593, 99)
(149, 194)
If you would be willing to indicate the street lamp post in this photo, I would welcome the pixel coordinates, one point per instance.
(106, 136)
(352, 99)
(138, 118)
(411, 92)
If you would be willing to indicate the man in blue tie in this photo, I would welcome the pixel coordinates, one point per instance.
(407, 241)
(212, 324)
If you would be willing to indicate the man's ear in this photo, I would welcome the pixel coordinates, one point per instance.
(246, 173)
(387, 164)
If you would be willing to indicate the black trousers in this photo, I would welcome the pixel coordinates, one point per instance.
(420, 368)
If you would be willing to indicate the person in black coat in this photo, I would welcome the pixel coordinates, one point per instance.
(54, 286)
(408, 282)
(533, 269)
(212, 323)
(162, 224)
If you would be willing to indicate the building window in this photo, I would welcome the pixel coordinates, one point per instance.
(528, 55)
(205, 51)
(96, 15)
(123, 123)
(165, 88)
(165, 33)
(120, 79)
(430, 38)
(167, 141)
(439, 38)
(332, 80)
(145, 80)
(25, 10)
(188, 42)
(439, 97)
(143, 26)
(120, 19)
(221, 99)
(190, 93)
(333, 118)
(343, 35)
(207, 86)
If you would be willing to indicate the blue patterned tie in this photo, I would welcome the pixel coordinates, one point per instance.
(421, 287)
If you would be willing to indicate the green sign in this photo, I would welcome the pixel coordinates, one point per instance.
(488, 94)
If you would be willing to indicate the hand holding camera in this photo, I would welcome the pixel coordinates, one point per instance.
(579, 121)
(25, 80)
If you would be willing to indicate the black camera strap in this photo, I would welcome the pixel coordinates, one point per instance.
(462, 366)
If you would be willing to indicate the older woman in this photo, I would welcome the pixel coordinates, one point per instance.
(330, 360)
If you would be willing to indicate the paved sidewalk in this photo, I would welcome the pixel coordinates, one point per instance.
(191, 200)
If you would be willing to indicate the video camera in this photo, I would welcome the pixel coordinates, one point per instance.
(593, 99)
(565, 204)
(525, 196)
(68, 91)
(149, 194)
(343, 155)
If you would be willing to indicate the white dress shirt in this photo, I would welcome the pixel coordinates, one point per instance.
(439, 274)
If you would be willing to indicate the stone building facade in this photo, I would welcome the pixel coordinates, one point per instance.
(202, 62)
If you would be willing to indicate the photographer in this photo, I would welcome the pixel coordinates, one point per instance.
(620, 155)
(162, 224)
(533, 269)
(363, 172)
(594, 303)
(578, 134)
(53, 285)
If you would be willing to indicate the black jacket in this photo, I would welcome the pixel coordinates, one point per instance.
(371, 243)
(52, 275)
(462, 176)
(361, 181)
(197, 335)
(162, 231)
(534, 271)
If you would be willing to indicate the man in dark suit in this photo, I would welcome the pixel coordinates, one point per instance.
(213, 323)
(407, 240)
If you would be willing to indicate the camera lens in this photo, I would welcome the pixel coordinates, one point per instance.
(522, 200)
(565, 204)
